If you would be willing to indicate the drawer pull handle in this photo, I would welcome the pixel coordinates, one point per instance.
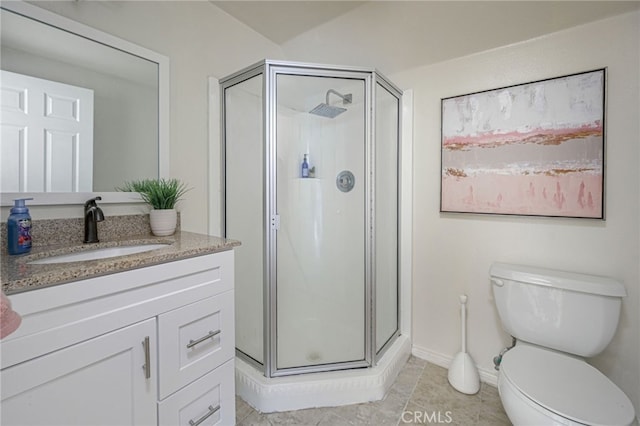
(210, 413)
(211, 334)
(147, 358)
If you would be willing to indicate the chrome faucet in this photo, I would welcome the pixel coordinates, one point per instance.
(92, 215)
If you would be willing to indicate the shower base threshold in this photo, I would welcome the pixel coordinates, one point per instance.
(329, 389)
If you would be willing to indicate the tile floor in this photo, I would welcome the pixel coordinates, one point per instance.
(421, 395)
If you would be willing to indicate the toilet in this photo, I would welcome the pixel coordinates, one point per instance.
(558, 319)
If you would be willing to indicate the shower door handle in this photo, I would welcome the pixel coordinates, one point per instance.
(275, 222)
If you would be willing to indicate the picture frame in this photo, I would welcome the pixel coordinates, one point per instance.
(532, 149)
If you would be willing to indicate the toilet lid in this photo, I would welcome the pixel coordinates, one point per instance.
(566, 386)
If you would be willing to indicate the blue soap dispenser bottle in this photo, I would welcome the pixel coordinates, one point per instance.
(19, 228)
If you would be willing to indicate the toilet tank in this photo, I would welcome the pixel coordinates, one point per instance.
(566, 311)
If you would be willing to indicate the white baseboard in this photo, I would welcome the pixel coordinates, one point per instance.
(489, 377)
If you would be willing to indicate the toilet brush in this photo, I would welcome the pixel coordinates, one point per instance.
(463, 373)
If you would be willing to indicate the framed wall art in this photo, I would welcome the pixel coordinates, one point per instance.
(533, 149)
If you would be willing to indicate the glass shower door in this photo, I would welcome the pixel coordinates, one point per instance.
(244, 212)
(320, 289)
(387, 142)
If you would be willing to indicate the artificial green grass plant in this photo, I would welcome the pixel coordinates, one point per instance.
(161, 194)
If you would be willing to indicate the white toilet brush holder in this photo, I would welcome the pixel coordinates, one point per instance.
(463, 373)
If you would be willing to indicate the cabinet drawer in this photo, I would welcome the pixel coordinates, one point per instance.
(209, 400)
(194, 340)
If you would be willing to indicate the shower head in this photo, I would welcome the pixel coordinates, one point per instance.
(325, 110)
(330, 111)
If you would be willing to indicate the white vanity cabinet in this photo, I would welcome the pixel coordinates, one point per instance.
(149, 346)
(98, 382)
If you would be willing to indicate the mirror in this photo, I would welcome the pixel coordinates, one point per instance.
(130, 106)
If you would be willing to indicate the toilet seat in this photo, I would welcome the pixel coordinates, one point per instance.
(566, 386)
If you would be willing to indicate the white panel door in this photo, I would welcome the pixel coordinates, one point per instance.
(47, 135)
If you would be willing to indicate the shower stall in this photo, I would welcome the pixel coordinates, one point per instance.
(311, 189)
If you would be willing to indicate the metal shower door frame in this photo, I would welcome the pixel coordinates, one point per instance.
(268, 71)
(272, 70)
(387, 85)
(239, 77)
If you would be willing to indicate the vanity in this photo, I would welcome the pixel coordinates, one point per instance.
(143, 339)
(124, 337)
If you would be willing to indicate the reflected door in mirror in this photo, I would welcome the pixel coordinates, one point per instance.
(47, 135)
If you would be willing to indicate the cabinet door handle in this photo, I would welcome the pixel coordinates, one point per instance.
(211, 334)
(147, 358)
(210, 413)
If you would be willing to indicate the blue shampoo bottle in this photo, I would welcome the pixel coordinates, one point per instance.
(19, 228)
(305, 166)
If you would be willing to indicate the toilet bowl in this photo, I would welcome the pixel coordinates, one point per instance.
(539, 386)
(557, 318)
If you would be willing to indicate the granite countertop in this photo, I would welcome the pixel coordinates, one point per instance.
(18, 275)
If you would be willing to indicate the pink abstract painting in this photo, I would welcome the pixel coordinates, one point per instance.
(532, 149)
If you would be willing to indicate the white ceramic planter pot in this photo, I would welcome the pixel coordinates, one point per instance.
(163, 222)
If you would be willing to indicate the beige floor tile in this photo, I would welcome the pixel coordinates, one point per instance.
(416, 361)
(242, 409)
(255, 419)
(333, 419)
(416, 415)
(391, 406)
(493, 419)
(433, 375)
(307, 417)
(435, 395)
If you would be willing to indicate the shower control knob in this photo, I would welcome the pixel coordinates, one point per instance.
(345, 181)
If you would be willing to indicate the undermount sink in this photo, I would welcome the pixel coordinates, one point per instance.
(101, 253)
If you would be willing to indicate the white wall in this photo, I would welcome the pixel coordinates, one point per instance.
(201, 41)
(452, 253)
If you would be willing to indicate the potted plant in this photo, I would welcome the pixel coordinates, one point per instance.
(162, 195)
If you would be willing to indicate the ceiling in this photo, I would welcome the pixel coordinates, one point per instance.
(398, 35)
(280, 21)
